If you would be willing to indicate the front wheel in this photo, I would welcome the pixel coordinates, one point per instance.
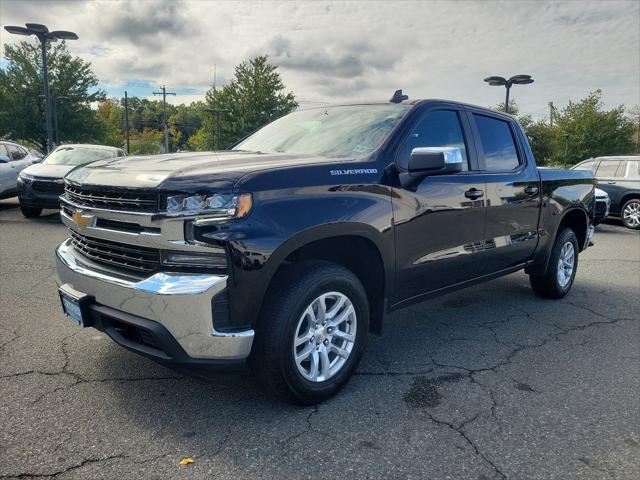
(631, 214)
(30, 212)
(561, 272)
(312, 332)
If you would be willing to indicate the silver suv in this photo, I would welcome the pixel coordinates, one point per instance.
(13, 159)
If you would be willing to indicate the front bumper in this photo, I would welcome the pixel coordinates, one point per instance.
(31, 197)
(178, 307)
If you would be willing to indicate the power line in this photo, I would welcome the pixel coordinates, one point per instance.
(164, 94)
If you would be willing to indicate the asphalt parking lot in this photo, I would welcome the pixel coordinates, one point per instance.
(487, 383)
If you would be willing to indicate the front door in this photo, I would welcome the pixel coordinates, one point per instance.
(439, 220)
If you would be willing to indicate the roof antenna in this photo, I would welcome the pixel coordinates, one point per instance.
(398, 97)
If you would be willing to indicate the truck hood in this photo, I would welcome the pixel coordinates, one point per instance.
(185, 171)
(40, 170)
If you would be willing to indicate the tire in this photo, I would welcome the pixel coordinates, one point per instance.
(630, 214)
(30, 212)
(285, 317)
(557, 281)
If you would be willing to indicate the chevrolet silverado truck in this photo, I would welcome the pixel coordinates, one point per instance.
(281, 254)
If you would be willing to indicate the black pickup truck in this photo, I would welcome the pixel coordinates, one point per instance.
(284, 252)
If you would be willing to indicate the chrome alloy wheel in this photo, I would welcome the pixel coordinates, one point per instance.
(566, 263)
(631, 214)
(325, 336)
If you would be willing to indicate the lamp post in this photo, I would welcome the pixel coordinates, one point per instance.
(515, 80)
(43, 34)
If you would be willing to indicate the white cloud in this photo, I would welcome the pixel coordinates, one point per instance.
(360, 50)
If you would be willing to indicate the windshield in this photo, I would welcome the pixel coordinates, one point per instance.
(77, 155)
(346, 131)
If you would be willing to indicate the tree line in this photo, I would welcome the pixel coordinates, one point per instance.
(255, 96)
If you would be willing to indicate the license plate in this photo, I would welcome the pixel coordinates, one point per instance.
(72, 308)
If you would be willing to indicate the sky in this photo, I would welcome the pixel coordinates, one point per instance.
(331, 52)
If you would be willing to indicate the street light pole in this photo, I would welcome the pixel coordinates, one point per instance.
(47, 99)
(515, 80)
(43, 34)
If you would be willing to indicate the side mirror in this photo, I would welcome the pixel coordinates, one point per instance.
(4, 159)
(434, 161)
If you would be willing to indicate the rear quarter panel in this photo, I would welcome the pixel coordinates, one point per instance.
(562, 192)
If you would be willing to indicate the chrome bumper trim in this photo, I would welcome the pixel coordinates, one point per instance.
(181, 303)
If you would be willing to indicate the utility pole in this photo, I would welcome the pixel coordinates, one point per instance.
(551, 113)
(216, 112)
(126, 119)
(165, 124)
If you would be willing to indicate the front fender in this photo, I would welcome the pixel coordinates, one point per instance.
(283, 222)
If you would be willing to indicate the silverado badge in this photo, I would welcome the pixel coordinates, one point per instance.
(83, 221)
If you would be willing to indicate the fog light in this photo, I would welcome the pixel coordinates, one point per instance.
(214, 259)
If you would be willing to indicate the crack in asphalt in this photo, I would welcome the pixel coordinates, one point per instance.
(308, 429)
(459, 429)
(87, 461)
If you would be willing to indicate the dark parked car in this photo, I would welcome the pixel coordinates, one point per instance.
(620, 178)
(40, 186)
(283, 253)
(603, 205)
(13, 159)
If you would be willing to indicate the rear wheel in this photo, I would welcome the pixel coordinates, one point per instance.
(561, 272)
(30, 212)
(631, 214)
(312, 332)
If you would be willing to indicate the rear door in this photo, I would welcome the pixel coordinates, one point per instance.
(512, 192)
(439, 220)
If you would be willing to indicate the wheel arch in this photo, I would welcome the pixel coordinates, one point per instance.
(357, 247)
(575, 218)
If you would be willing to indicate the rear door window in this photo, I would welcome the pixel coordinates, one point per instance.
(607, 169)
(498, 144)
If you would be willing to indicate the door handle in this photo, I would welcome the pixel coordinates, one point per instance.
(531, 190)
(473, 193)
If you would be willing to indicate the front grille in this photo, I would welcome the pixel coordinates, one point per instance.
(112, 199)
(115, 254)
(44, 186)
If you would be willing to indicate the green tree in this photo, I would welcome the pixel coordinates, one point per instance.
(186, 120)
(21, 104)
(586, 129)
(110, 118)
(147, 142)
(254, 97)
(198, 141)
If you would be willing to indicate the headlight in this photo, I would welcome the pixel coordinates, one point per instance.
(25, 177)
(212, 208)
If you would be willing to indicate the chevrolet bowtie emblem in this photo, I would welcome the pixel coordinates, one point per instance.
(82, 221)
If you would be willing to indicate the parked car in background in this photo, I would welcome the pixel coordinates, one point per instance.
(13, 159)
(620, 178)
(39, 186)
(603, 205)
